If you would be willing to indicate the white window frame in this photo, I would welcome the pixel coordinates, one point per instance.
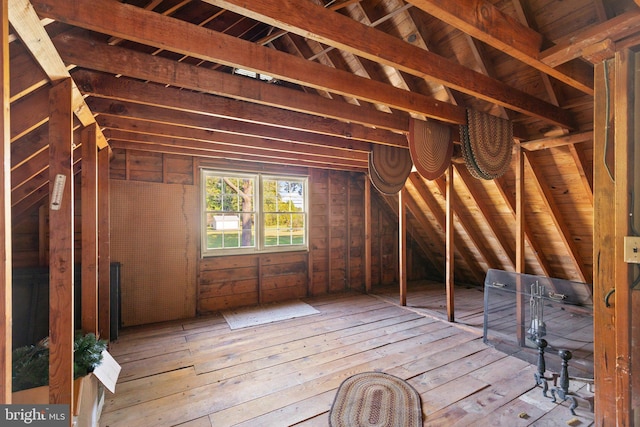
(259, 243)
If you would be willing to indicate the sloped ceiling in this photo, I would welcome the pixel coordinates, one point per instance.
(332, 79)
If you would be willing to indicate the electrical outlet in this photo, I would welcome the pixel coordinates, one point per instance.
(632, 249)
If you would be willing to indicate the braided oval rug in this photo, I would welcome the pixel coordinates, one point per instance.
(376, 399)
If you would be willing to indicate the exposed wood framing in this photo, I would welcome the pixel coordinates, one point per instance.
(317, 23)
(603, 256)
(440, 217)
(32, 33)
(468, 181)
(528, 234)
(104, 246)
(131, 92)
(450, 246)
(485, 22)
(367, 234)
(61, 242)
(487, 257)
(89, 209)
(625, 75)
(572, 46)
(123, 20)
(5, 216)
(402, 246)
(557, 218)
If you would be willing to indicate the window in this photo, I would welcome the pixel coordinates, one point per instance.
(244, 213)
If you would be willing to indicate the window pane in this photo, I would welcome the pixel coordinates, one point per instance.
(233, 220)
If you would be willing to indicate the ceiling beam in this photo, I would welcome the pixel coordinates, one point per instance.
(184, 150)
(129, 90)
(483, 21)
(215, 124)
(27, 25)
(117, 128)
(121, 61)
(572, 45)
(139, 25)
(317, 23)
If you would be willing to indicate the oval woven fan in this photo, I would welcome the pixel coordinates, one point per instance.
(389, 168)
(379, 183)
(430, 146)
(490, 139)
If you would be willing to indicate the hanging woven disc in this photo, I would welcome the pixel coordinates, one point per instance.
(390, 171)
(491, 142)
(382, 184)
(467, 155)
(430, 147)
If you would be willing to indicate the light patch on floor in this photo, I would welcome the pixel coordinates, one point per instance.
(253, 316)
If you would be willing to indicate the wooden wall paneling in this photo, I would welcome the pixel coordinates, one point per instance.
(259, 281)
(61, 242)
(89, 210)
(104, 246)
(402, 246)
(227, 282)
(603, 245)
(624, 168)
(5, 215)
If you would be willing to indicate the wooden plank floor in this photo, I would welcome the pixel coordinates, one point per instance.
(198, 372)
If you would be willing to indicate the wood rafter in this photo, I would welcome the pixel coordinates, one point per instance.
(333, 29)
(437, 213)
(246, 115)
(571, 46)
(117, 60)
(217, 126)
(485, 22)
(528, 233)
(558, 220)
(468, 182)
(123, 20)
(27, 24)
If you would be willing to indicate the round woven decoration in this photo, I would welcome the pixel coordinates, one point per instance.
(376, 399)
(392, 165)
(491, 142)
(379, 183)
(430, 146)
(467, 155)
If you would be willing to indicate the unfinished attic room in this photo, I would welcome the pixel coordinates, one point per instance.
(320, 213)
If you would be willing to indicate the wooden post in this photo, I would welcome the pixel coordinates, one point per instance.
(402, 246)
(104, 247)
(450, 248)
(61, 261)
(520, 256)
(5, 218)
(624, 165)
(603, 242)
(367, 234)
(89, 209)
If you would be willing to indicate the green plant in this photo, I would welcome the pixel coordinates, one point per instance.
(31, 362)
